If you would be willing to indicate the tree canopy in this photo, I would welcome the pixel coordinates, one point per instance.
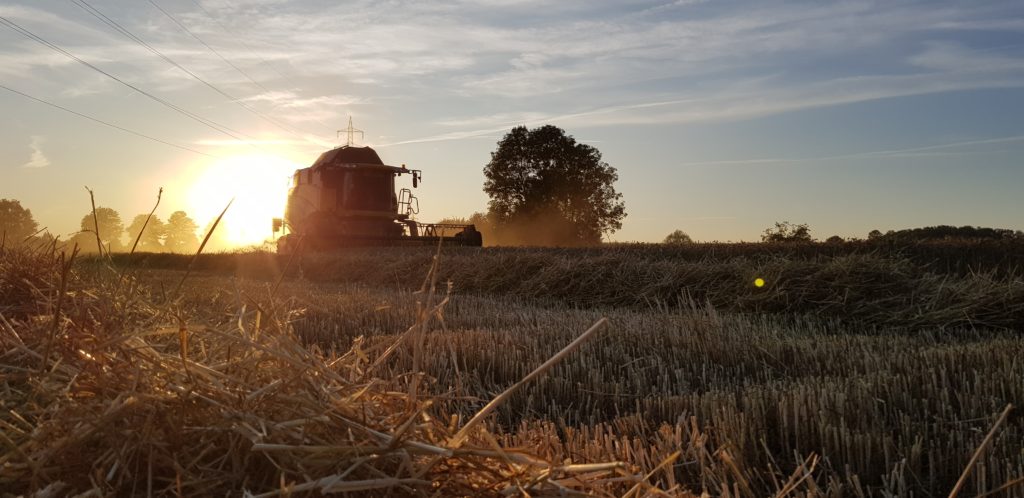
(16, 222)
(678, 237)
(181, 233)
(787, 232)
(151, 236)
(110, 229)
(547, 189)
(944, 232)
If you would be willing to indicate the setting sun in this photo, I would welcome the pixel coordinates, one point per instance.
(259, 185)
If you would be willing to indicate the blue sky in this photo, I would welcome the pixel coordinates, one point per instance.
(721, 116)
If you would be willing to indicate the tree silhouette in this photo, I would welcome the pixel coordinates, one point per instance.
(181, 233)
(947, 232)
(548, 189)
(787, 232)
(678, 237)
(110, 229)
(151, 236)
(16, 222)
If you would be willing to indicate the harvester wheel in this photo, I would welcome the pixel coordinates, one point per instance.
(471, 237)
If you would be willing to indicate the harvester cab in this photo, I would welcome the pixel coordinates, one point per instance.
(348, 198)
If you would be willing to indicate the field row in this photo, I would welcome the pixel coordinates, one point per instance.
(885, 410)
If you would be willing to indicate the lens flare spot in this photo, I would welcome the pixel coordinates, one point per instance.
(758, 282)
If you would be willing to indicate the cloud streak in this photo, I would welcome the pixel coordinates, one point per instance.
(37, 159)
(477, 69)
(930, 150)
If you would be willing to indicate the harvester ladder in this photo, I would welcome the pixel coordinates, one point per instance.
(407, 202)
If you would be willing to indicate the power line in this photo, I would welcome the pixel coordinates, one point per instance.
(84, 5)
(239, 38)
(252, 52)
(200, 40)
(105, 123)
(204, 121)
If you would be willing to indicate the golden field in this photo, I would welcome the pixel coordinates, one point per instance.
(855, 371)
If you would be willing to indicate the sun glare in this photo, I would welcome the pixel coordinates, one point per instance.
(259, 185)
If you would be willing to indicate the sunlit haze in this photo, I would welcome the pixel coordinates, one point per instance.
(259, 186)
(721, 117)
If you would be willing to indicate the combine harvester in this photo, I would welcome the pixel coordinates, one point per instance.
(347, 198)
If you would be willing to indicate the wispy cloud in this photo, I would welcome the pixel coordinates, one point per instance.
(926, 151)
(478, 68)
(37, 159)
(232, 143)
(707, 218)
(291, 100)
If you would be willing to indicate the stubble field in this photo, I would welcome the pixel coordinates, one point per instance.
(855, 371)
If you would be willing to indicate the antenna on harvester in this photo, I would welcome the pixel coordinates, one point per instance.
(350, 133)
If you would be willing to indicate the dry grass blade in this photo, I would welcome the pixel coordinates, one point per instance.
(463, 433)
(337, 484)
(199, 251)
(802, 473)
(138, 237)
(228, 391)
(134, 401)
(1005, 487)
(981, 449)
(65, 269)
(95, 221)
(642, 482)
(287, 266)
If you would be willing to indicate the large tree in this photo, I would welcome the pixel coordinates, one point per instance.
(678, 237)
(181, 233)
(787, 232)
(151, 235)
(16, 222)
(110, 228)
(546, 188)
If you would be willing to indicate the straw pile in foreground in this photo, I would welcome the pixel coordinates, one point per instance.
(108, 390)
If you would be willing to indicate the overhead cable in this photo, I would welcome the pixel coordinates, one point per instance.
(105, 123)
(234, 134)
(207, 45)
(84, 5)
(234, 35)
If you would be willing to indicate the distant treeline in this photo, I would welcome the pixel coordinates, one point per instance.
(947, 232)
(103, 228)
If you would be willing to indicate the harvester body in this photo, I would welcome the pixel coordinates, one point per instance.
(348, 198)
